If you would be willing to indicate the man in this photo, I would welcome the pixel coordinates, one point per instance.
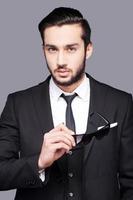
(54, 149)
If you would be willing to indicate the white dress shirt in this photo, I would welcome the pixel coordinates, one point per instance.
(80, 105)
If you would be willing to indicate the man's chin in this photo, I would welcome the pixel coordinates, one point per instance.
(63, 81)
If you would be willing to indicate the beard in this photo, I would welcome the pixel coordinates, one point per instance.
(73, 79)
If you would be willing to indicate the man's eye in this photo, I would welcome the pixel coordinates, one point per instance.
(71, 49)
(51, 50)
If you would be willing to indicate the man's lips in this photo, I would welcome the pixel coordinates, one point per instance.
(63, 72)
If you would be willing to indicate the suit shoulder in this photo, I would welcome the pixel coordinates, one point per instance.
(23, 93)
(28, 91)
(113, 93)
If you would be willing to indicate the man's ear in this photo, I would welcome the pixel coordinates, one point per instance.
(89, 50)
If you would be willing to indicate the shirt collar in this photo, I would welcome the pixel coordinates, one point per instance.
(83, 90)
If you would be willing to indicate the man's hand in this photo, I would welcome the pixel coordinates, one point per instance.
(56, 142)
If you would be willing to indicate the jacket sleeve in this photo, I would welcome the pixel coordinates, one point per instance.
(126, 155)
(15, 172)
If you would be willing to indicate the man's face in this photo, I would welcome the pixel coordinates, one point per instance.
(65, 54)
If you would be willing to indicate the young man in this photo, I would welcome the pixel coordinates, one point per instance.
(70, 137)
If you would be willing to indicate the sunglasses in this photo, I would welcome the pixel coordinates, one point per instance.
(97, 132)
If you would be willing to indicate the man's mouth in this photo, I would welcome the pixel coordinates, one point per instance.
(63, 72)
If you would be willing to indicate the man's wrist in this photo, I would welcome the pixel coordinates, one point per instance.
(40, 166)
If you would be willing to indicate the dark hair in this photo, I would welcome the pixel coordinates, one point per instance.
(63, 15)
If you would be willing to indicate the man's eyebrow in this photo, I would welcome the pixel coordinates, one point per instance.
(50, 45)
(71, 45)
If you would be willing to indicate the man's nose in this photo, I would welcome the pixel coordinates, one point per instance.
(61, 58)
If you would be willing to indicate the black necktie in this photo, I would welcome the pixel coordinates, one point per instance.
(69, 114)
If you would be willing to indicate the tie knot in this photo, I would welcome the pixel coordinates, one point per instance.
(68, 98)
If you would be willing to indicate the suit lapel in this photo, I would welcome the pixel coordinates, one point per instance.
(97, 102)
(42, 106)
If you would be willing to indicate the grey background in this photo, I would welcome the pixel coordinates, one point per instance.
(21, 58)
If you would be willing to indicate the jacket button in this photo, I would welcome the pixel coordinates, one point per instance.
(70, 194)
(70, 152)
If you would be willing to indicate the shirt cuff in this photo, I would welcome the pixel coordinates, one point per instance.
(42, 175)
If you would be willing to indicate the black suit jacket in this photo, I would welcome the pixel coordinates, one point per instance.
(107, 162)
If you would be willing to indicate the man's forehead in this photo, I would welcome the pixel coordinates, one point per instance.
(65, 34)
